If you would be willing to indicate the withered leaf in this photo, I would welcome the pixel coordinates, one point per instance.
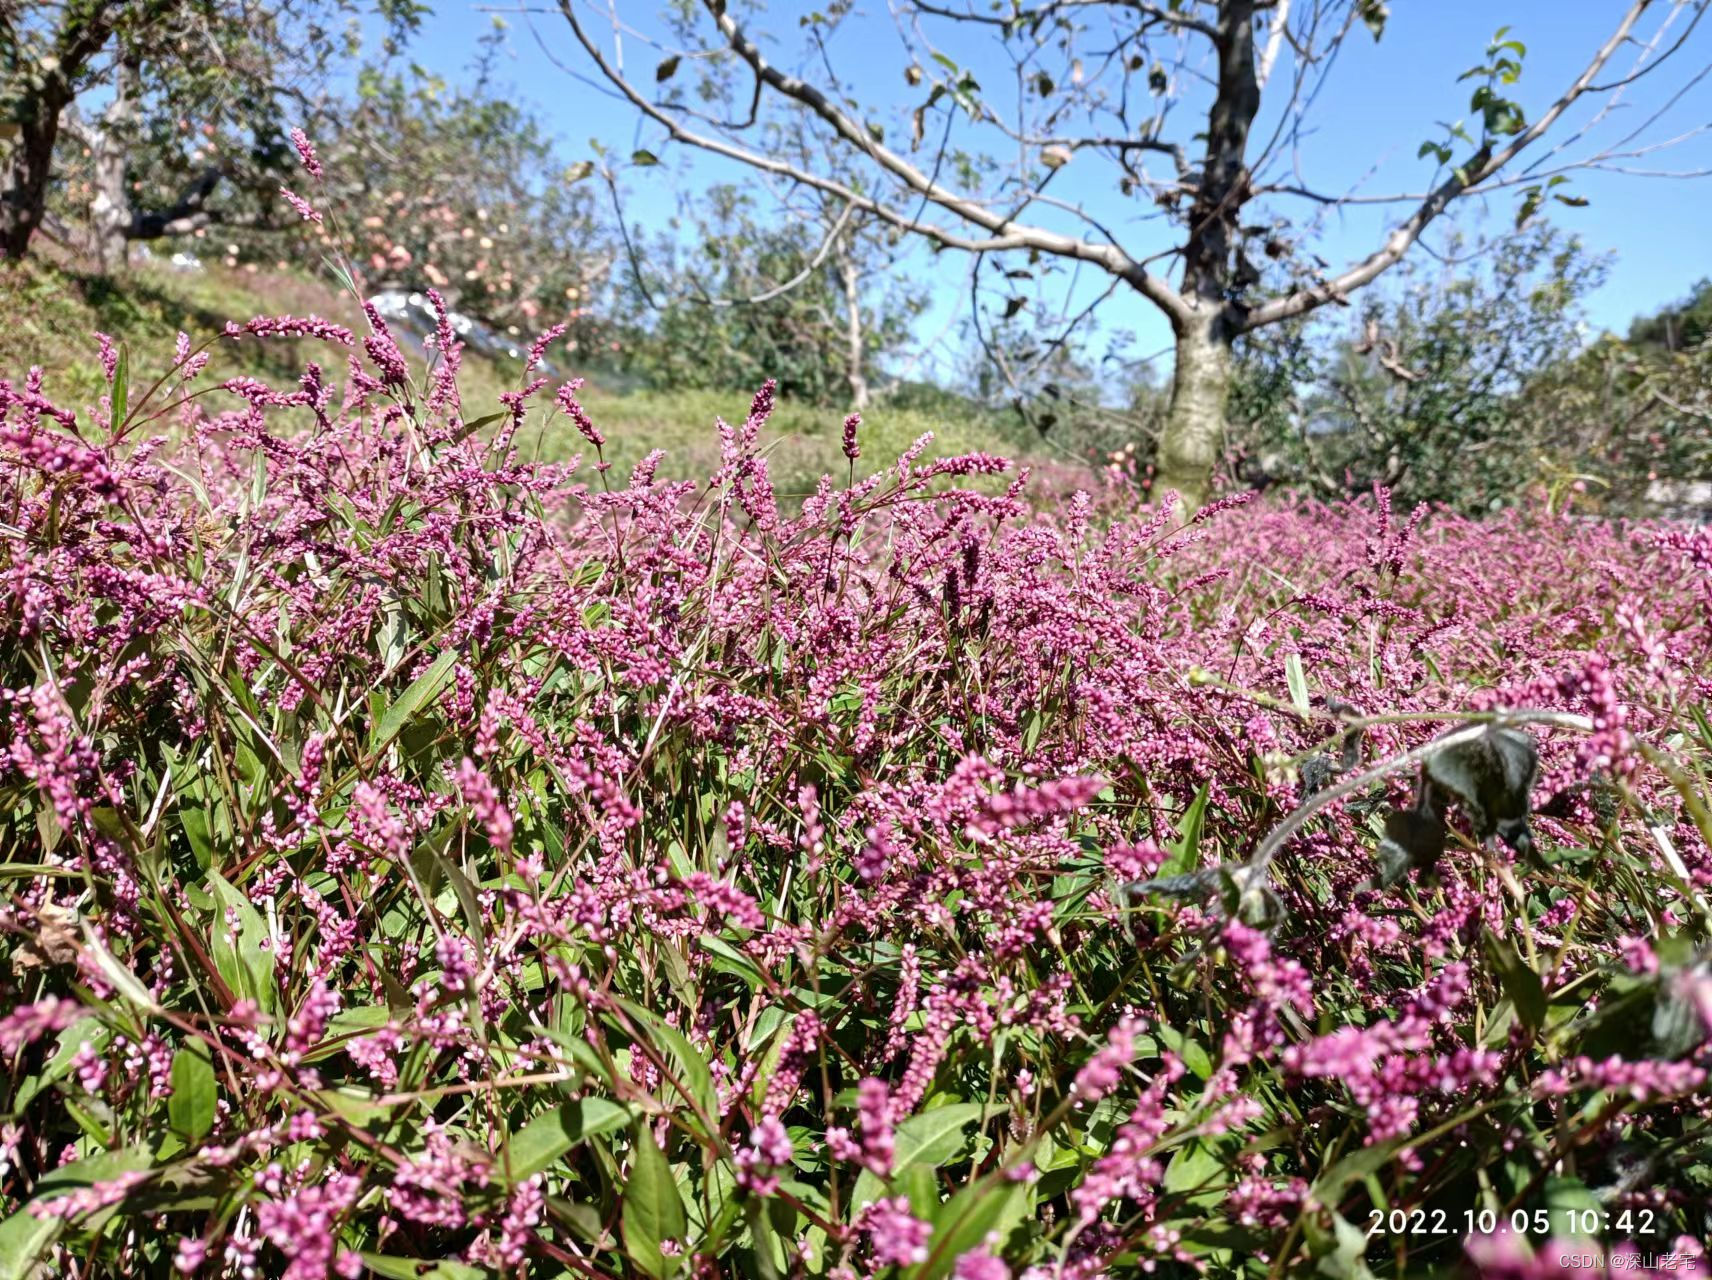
(1492, 777)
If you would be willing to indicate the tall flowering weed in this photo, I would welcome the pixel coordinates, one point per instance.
(422, 861)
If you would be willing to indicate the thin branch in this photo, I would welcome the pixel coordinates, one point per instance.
(629, 246)
(1274, 39)
(1009, 237)
(1172, 149)
(1616, 88)
(779, 290)
(1699, 12)
(1482, 165)
(1112, 258)
(1154, 15)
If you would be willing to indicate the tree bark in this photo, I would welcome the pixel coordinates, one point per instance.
(1213, 279)
(188, 213)
(30, 165)
(855, 353)
(110, 212)
(1195, 418)
(45, 88)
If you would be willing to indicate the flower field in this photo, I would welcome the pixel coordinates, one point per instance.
(424, 862)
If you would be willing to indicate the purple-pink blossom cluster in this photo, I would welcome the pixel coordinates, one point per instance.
(419, 852)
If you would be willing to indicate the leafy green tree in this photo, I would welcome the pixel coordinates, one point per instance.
(1632, 412)
(1678, 327)
(195, 97)
(1427, 391)
(731, 297)
(462, 190)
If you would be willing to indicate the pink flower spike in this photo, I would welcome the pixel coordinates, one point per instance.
(306, 152)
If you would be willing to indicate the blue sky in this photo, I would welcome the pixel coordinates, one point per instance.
(1379, 105)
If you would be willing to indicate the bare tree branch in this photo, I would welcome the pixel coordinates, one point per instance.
(1109, 256)
(1092, 85)
(1482, 165)
(1152, 13)
(828, 243)
(1274, 39)
(1009, 236)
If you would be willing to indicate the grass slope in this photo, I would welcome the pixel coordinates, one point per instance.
(54, 309)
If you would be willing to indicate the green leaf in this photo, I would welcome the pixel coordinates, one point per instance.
(198, 834)
(667, 69)
(727, 959)
(1190, 1051)
(1193, 1168)
(356, 1105)
(1564, 1196)
(581, 1052)
(693, 1071)
(643, 157)
(988, 1207)
(474, 425)
(1344, 1255)
(126, 983)
(191, 1106)
(933, 1137)
(1530, 205)
(420, 1268)
(922, 1142)
(1186, 848)
(358, 1018)
(24, 1238)
(653, 1210)
(104, 1166)
(121, 386)
(1297, 681)
(1677, 1027)
(1521, 983)
(464, 893)
(920, 1186)
(540, 1143)
(423, 690)
(70, 1042)
(1358, 1164)
(245, 964)
(1031, 731)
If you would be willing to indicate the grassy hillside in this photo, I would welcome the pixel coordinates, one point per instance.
(53, 310)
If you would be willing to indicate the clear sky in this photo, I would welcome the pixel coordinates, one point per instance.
(1379, 105)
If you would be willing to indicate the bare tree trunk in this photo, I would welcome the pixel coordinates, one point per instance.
(110, 212)
(26, 194)
(43, 88)
(1213, 271)
(856, 355)
(1195, 419)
